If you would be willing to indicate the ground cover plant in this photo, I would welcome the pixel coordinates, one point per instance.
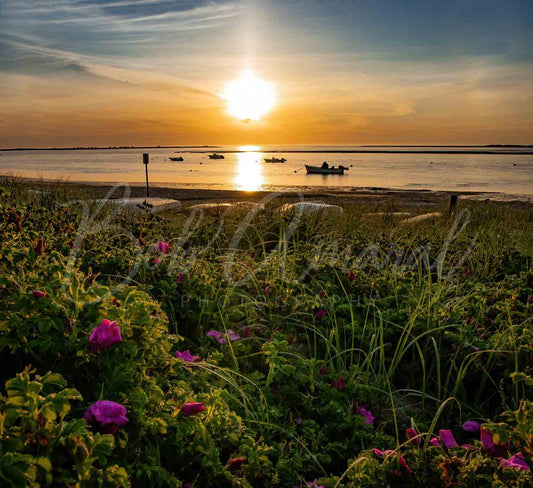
(263, 349)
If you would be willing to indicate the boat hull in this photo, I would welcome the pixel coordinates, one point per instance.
(317, 170)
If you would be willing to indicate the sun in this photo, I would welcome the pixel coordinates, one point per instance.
(248, 97)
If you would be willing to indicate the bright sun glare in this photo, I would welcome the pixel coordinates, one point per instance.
(248, 97)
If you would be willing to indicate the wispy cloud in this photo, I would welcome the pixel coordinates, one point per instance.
(102, 67)
(60, 22)
(117, 40)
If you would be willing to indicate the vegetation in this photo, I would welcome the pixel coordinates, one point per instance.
(263, 349)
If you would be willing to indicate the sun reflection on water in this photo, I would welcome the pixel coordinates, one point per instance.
(249, 175)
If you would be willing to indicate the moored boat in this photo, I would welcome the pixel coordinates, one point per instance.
(176, 159)
(275, 160)
(319, 170)
(216, 156)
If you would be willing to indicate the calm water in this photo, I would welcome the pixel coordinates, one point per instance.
(247, 171)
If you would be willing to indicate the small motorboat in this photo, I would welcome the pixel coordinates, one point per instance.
(319, 170)
(179, 158)
(275, 160)
(216, 156)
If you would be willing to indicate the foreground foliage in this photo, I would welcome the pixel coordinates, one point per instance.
(201, 351)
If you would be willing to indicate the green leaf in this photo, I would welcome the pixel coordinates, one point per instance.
(43, 462)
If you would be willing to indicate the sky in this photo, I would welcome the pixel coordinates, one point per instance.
(151, 72)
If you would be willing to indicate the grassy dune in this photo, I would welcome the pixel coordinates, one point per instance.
(347, 349)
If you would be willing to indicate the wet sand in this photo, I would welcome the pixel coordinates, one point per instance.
(373, 199)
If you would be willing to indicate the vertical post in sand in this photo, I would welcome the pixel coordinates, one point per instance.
(146, 160)
(453, 203)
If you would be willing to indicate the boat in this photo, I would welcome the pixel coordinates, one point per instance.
(216, 156)
(176, 159)
(319, 170)
(275, 160)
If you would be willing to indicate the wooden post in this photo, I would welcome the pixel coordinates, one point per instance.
(146, 160)
(453, 203)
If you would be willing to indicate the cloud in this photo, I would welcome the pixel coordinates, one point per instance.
(120, 17)
(101, 67)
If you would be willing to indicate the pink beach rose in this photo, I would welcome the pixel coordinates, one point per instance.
(110, 415)
(105, 335)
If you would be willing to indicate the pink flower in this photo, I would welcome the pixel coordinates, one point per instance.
(236, 463)
(220, 336)
(412, 435)
(162, 247)
(471, 426)
(109, 415)
(493, 448)
(404, 464)
(38, 294)
(217, 335)
(156, 261)
(324, 370)
(233, 336)
(267, 290)
(180, 279)
(105, 335)
(516, 462)
(434, 442)
(192, 408)
(320, 314)
(351, 276)
(339, 384)
(447, 439)
(367, 416)
(378, 452)
(314, 484)
(187, 356)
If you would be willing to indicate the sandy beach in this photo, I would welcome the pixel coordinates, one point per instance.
(368, 199)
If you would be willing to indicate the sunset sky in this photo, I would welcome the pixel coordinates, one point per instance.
(146, 72)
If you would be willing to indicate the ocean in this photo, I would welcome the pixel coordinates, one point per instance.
(420, 168)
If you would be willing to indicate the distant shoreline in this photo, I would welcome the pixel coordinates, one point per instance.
(491, 149)
(102, 148)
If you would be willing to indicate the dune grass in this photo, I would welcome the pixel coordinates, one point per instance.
(426, 325)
